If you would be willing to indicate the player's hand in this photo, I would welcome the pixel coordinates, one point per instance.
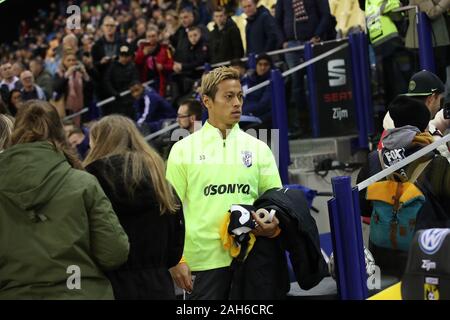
(265, 229)
(181, 274)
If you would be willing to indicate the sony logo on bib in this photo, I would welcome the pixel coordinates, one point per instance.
(214, 189)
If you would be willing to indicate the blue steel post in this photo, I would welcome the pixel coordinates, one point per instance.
(351, 244)
(279, 121)
(360, 242)
(424, 32)
(207, 67)
(251, 63)
(357, 92)
(310, 75)
(336, 240)
(366, 84)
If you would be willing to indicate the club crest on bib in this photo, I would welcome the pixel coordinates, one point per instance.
(247, 158)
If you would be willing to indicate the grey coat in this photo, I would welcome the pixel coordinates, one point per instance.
(435, 10)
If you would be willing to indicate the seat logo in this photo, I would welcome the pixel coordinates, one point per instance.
(337, 73)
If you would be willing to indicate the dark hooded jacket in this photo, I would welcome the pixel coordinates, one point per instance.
(230, 38)
(264, 273)
(262, 32)
(54, 220)
(156, 241)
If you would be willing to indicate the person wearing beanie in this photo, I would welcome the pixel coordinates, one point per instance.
(406, 111)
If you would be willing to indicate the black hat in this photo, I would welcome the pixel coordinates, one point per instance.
(425, 83)
(125, 50)
(427, 274)
(264, 56)
(406, 111)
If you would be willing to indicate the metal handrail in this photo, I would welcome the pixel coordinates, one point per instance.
(103, 102)
(416, 155)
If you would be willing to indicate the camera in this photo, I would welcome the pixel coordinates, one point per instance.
(447, 110)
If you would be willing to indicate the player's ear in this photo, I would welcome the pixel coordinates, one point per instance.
(206, 101)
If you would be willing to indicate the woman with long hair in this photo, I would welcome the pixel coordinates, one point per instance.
(6, 127)
(15, 101)
(58, 230)
(133, 177)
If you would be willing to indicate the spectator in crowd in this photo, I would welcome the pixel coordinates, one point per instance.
(6, 128)
(259, 103)
(106, 50)
(9, 81)
(150, 107)
(180, 41)
(208, 155)
(201, 8)
(240, 67)
(172, 25)
(262, 32)
(154, 60)
(29, 89)
(18, 68)
(79, 139)
(437, 11)
(225, 40)
(73, 84)
(42, 77)
(118, 78)
(196, 56)
(132, 175)
(301, 21)
(189, 112)
(410, 117)
(15, 101)
(426, 87)
(48, 204)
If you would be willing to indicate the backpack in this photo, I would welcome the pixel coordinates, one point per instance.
(396, 203)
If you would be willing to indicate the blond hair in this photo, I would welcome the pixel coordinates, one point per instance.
(118, 135)
(211, 80)
(6, 128)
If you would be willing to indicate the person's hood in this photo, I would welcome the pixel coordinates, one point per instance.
(400, 137)
(31, 174)
(259, 12)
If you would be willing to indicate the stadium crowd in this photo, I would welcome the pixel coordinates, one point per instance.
(98, 165)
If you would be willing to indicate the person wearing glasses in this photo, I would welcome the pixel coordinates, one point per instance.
(106, 49)
(189, 112)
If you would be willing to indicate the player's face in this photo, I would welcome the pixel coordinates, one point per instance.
(226, 108)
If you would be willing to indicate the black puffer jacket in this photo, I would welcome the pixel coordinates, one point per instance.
(156, 241)
(226, 44)
(264, 274)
